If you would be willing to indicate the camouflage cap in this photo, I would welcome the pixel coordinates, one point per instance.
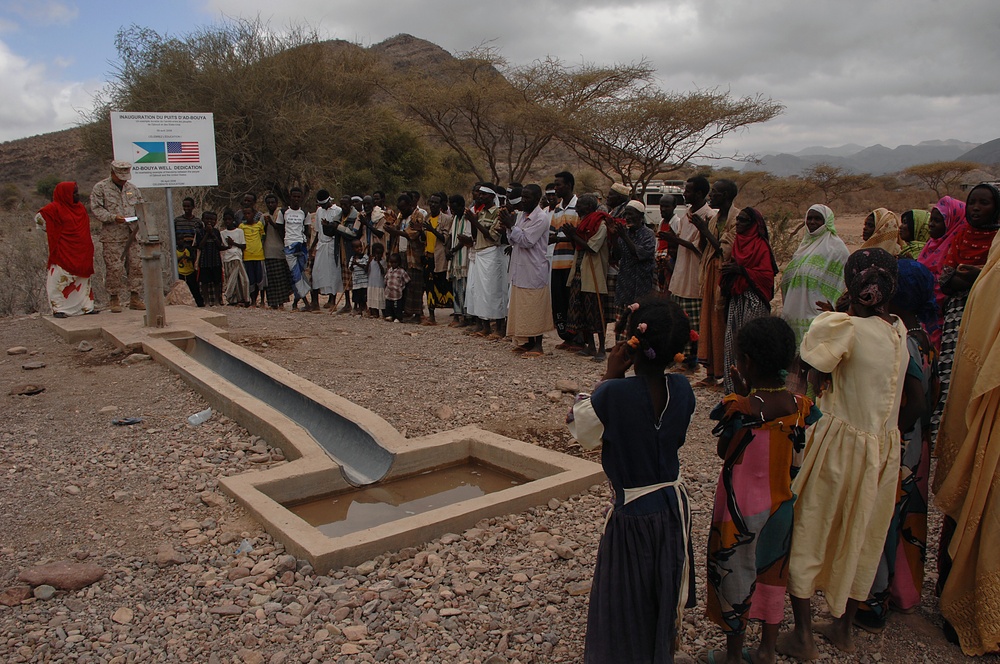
(122, 169)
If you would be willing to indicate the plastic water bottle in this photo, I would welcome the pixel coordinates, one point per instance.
(199, 418)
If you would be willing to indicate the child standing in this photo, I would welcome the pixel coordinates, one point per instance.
(643, 578)
(396, 279)
(761, 437)
(847, 484)
(900, 577)
(359, 277)
(210, 260)
(376, 281)
(237, 284)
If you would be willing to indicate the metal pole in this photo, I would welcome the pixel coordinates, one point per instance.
(172, 232)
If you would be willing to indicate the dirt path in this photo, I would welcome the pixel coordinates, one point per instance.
(142, 502)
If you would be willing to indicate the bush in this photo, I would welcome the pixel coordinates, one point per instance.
(23, 255)
(10, 197)
(47, 185)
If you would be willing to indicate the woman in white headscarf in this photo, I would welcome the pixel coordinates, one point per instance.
(815, 273)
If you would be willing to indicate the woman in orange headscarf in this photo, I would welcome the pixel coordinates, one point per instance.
(71, 252)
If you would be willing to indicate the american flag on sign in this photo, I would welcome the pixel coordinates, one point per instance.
(182, 152)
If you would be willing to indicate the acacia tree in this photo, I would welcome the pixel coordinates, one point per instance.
(289, 110)
(835, 181)
(498, 118)
(941, 176)
(649, 131)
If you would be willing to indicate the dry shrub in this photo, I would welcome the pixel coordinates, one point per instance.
(23, 255)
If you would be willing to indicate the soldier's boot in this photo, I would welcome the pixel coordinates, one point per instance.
(135, 302)
(116, 307)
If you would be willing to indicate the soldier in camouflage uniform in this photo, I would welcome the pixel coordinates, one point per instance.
(111, 201)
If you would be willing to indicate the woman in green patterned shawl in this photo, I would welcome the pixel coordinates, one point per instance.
(914, 231)
(815, 273)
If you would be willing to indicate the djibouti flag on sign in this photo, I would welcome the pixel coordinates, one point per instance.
(149, 153)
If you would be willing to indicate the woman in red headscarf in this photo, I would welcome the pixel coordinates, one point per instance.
(747, 280)
(71, 252)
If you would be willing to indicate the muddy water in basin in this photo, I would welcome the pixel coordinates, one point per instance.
(342, 513)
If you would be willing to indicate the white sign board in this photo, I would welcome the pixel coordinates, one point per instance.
(166, 149)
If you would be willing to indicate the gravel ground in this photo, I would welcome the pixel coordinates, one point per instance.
(142, 502)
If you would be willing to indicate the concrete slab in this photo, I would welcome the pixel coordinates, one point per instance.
(327, 440)
(127, 329)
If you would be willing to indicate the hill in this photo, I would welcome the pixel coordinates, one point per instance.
(875, 159)
(23, 162)
(987, 153)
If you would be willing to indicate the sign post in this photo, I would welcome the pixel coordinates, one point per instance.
(166, 150)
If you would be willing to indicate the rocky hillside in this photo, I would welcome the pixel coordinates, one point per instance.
(61, 154)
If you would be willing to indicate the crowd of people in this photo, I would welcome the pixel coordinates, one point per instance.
(825, 433)
(828, 413)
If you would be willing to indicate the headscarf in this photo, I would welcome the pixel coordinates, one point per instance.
(972, 244)
(936, 250)
(490, 189)
(870, 275)
(915, 291)
(886, 235)
(921, 233)
(935, 254)
(752, 252)
(589, 224)
(815, 273)
(67, 226)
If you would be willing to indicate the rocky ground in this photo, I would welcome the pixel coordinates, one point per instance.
(189, 577)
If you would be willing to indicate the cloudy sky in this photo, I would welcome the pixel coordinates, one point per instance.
(848, 71)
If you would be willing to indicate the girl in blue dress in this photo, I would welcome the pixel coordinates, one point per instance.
(643, 577)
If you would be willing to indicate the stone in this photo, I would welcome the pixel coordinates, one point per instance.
(63, 575)
(44, 592)
(180, 293)
(123, 615)
(366, 568)
(108, 409)
(188, 524)
(285, 563)
(226, 609)
(85, 346)
(349, 649)
(250, 656)
(212, 499)
(167, 555)
(563, 551)
(577, 588)
(477, 566)
(14, 596)
(553, 504)
(31, 366)
(72, 489)
(17, 350)
(555, 395)
(238, 573)
(568, 386)
(27, 390)
(451, 612)
(444, 412)
(136, 358)
(355, 632)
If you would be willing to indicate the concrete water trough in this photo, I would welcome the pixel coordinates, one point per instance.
(334, 446)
